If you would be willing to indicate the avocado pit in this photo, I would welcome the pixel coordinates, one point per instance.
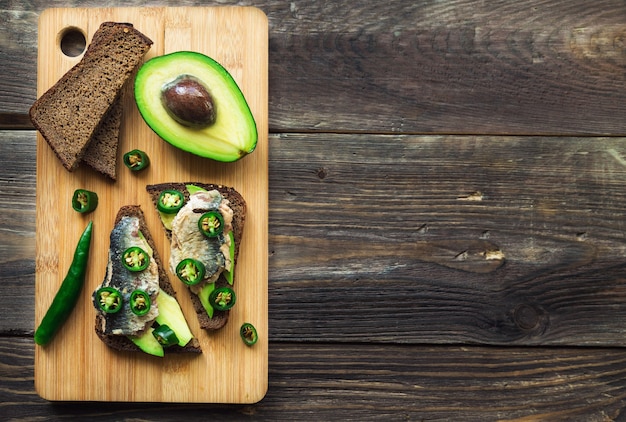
(188, 102)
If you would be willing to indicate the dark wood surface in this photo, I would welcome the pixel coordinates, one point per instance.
(446, 213)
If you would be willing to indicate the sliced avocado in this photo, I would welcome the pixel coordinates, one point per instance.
(171, 315)
(169, 91)
(167, 219)
(204, 294)
(148, 343)
(229, 275)
(146, 245)
(194, 189)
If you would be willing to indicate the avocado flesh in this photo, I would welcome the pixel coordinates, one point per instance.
(148, 343)
(172, 315)
(234, 132)
(229, 275)
(204, 298)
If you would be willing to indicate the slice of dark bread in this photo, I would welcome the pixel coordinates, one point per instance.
(68, 114)
(101, 152)
(238, 205)
(122, 343)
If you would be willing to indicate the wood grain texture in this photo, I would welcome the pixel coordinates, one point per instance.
(360, 382)
(464, 67)
(17, 223)
(496, 240)
(242, 49)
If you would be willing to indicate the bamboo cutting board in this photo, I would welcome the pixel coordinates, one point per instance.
(76, 365)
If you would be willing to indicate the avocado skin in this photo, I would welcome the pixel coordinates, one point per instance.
(232, 136)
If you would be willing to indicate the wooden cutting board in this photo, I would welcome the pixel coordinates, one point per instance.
(76, 365)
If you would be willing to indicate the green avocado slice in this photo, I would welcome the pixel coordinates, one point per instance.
(172, 315)
(231, 136)
(148, 343)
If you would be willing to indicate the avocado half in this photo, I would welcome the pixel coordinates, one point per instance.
(233, 133)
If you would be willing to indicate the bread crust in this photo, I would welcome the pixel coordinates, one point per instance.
(239, 207)
(122, 343)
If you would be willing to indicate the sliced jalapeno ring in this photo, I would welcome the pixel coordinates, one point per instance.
(170, 201)
(140, 302)
(190, 271)
(222, 298)
(109, 300)
(135, 259)
(248, 334)
(165, 335)
(136, 160)
(84, 201)
(211, 223)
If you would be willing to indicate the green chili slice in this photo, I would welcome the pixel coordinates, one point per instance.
(66, 297)
(190, 271)
(140, 302)
(170, 201)
(135, 259)
(222, 298)
(136, 160)
(84, 201)
(165, 335)
(248, 334)
(109, 300)
(211, 223)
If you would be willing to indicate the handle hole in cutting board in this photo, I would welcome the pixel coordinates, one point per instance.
(72, 41)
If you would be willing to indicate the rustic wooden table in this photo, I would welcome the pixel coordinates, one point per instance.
(446, 213)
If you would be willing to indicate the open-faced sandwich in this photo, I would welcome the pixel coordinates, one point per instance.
(204, 223)
(136, 306)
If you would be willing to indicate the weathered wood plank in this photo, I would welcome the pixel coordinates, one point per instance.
(17, 223)
(18, 55)
(369, 382)
(465, 67)
(461, 239)
(490, 240)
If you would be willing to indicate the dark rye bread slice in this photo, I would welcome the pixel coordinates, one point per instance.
(122, 343)
(238, 205)
(69, 113)
(101, 152)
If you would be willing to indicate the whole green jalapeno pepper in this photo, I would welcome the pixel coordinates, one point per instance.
(68, 293)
